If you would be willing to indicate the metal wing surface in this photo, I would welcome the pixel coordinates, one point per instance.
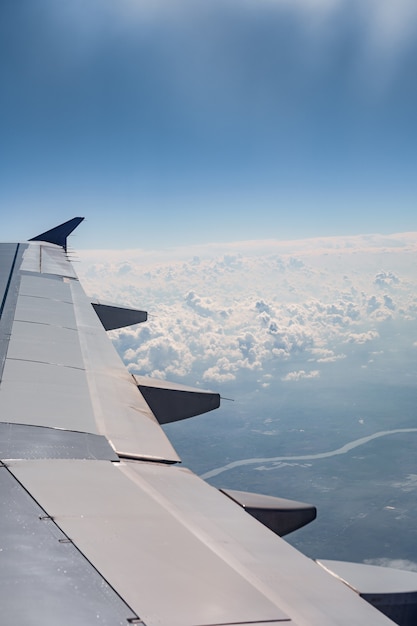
(99, 524)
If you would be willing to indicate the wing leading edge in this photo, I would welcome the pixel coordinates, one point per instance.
(100, 525)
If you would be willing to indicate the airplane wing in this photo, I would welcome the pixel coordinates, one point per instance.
(99, 524)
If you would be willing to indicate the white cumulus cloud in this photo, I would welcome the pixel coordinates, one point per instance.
(402, 564)
(300, 374)
(251, 307)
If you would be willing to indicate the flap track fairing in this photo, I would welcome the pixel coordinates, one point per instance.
(280, 515)
(170, 402)
(118, 317)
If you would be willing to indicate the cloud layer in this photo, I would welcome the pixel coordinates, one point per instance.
(256, 307)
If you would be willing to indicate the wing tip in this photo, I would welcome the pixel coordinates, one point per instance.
(59, 234)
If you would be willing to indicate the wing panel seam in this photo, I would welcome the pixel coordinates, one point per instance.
(9, 280)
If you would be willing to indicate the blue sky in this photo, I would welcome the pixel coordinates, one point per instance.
(177, 122)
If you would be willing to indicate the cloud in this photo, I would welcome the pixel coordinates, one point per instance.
(295, 376)
(389, 303)
(409, 484)
(373, 304)
(386, 279)
(246, 307)
(331, 359)
(361, 338)
(402, 564)
(222, 372)
(199, 305)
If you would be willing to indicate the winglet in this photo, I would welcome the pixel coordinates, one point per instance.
(59, 234)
